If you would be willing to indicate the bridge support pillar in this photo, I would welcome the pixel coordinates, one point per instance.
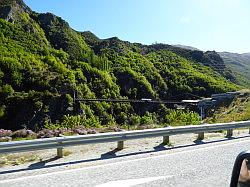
(166, 140)
(201, 136)
(229, 133)
(120, 145)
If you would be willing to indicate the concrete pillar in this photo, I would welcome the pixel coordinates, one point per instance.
(60, 151)
(120, 145)
(165, 140)
(201, 136)
(229, 132)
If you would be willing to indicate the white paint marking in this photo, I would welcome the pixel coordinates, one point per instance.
(132, 182)
(122, 162)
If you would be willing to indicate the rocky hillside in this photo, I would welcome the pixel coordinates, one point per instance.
(43, 62)
(238, 110)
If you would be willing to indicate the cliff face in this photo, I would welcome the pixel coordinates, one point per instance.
(10, 10)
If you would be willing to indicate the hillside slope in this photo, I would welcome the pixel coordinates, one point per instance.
(239, 64)
(43, 62)
(238, 110)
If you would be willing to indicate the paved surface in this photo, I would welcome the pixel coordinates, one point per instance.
(207, 163)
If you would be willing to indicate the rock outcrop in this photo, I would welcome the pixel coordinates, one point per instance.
(10, 10)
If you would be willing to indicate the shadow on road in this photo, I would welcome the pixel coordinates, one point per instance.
(110, 154)
(160, 147)
(113, 154)
(41, 164)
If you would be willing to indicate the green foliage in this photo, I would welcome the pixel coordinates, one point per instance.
(148, 119)
(135, 120)
(11, 69)
(185, 76)
(71, 122)
(179, 117)
(62, 36)
(129, 79)
(6, 91)
(2, 111)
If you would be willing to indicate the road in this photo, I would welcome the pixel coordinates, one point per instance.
(204, 164)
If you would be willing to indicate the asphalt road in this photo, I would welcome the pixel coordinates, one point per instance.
(205, 164)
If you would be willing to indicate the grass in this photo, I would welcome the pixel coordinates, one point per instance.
(20, 139)
(21, 158)
(17, 159)
(67, 152)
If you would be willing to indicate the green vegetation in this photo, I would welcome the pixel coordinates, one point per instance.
(43, 62)
(178, 117)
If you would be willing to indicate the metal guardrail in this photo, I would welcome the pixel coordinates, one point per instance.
(120, 137)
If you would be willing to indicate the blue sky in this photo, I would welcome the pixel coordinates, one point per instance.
(221, 25)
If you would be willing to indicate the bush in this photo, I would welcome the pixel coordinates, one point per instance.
(6, 90)
(135, 120)
(148, 119)
(5, 133)
(23, 133)
(179, 117)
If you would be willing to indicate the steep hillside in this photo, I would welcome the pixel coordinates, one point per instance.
(240, 65)
(239, 110)
(43, 62)
(209, 58)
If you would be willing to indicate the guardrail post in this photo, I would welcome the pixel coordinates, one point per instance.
(249, 130)
(120, 145)
(229, 132)
(60, 151)
(165, 140)
(201, 136)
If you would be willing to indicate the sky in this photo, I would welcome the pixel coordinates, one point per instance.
(221, 25)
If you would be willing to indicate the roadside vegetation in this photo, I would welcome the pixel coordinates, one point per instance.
(75, 125)
(17, 159)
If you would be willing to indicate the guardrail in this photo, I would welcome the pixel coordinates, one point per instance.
(120, 137)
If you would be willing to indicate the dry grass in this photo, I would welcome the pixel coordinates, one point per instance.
(17, 159)
(239, 110)
(67, 152)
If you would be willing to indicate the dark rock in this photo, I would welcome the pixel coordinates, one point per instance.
(12, 9)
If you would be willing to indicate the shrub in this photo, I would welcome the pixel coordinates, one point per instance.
(135, 120)
(20, 134)
(179, 117)
(5, 133)
(23, 133)
(80, 131)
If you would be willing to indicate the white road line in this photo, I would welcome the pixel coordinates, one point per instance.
(122, 162)
(132, 182)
